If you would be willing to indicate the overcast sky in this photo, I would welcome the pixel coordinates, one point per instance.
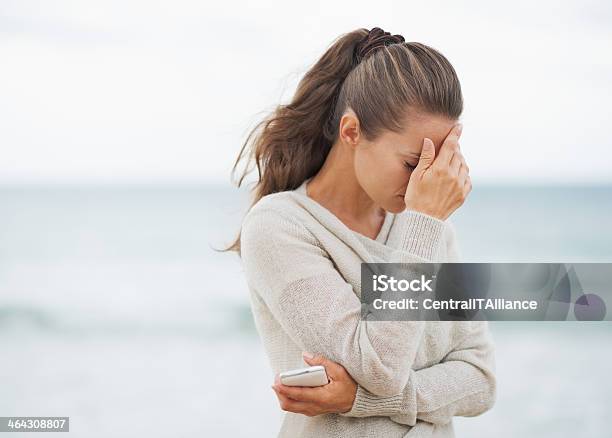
(131, 90)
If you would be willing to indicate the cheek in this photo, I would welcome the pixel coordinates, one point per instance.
(363, 170)
(396, 174)
(381, 176)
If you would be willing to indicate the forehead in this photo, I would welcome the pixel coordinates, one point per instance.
(418, 125)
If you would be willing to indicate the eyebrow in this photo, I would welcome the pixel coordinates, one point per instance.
(414, 154)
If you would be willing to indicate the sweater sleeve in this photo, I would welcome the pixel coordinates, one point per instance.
(319, 310)
(462, 384)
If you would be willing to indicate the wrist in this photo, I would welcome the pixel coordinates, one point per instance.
(418, 234)
(429, 211)
(347, 406)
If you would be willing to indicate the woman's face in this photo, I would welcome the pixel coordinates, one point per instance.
(383, 166)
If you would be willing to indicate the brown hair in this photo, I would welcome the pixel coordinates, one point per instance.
(378, 75)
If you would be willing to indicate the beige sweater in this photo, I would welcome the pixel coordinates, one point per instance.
(302, 265)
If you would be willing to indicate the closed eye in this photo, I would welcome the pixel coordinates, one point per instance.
(409, 166)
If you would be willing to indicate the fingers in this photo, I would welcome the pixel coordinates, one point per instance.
(450, 145)
(428, 154)
(465, 181)
(332, 368)
(463, 173)
(456, 163)
(301, 400)
(300, 393)
(298, 407)
(467, 186)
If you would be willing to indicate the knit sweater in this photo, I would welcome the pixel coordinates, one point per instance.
(302, 266)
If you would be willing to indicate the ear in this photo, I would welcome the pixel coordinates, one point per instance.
(349, 130)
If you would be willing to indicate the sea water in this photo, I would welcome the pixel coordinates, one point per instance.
(116, 311)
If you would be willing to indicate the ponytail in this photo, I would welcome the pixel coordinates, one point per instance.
(292, 143)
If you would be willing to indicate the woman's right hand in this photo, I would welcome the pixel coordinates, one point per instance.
(439, 185)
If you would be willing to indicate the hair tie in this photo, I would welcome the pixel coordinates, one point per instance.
(375, 39)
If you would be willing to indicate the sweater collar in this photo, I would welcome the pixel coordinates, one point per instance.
(382, 234)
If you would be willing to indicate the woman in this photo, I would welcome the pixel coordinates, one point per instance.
(363, 165)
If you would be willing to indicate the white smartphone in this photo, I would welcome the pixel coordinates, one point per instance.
(311, 376)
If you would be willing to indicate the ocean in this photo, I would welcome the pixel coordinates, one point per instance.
(115, 310)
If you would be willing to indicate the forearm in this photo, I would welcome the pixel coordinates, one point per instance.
(462, 385)
(309, 298)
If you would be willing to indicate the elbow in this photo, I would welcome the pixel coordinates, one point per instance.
(488, 396)
(392, 387)
(491, 394)
(385, 381)
(377, 364)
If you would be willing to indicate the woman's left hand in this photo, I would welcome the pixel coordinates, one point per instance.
(335, 397)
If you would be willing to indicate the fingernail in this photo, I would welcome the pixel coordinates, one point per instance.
(307, 355)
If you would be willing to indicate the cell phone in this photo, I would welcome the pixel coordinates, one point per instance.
(311, 376)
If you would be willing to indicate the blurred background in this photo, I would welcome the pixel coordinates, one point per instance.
(119, 125)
